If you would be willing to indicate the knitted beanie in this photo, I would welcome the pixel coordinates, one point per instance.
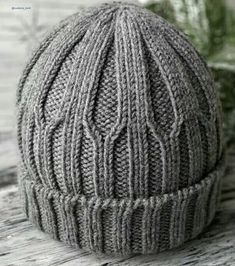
(119, 132)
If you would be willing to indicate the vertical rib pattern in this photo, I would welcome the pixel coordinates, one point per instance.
(119, 132)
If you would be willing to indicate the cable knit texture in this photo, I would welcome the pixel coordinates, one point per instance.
(119, 132)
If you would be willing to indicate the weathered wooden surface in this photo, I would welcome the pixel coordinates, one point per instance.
(22, 244)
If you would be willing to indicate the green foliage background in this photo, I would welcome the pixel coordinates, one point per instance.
(210, 25)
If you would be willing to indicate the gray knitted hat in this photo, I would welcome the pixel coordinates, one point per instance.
(119, 131)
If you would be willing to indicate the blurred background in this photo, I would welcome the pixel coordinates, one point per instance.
(209, 24)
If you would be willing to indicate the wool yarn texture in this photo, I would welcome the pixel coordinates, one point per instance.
(119, 132)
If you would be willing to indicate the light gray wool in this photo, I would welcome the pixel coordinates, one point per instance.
(119, 132)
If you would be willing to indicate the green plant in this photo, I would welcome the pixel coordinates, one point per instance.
(210, 26)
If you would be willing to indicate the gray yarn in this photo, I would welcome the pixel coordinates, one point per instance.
(119, 132)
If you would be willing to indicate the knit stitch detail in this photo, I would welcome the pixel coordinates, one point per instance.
(119, 129)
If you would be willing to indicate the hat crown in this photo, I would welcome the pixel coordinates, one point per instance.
(117, 103)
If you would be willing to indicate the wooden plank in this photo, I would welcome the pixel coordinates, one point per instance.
(22, 244)
(8, 159)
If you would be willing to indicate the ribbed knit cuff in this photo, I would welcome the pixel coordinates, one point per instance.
(124, 226)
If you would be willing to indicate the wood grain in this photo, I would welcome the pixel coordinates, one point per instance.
(22, 244)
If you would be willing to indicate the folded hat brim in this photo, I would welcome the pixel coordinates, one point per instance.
(125, 226)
